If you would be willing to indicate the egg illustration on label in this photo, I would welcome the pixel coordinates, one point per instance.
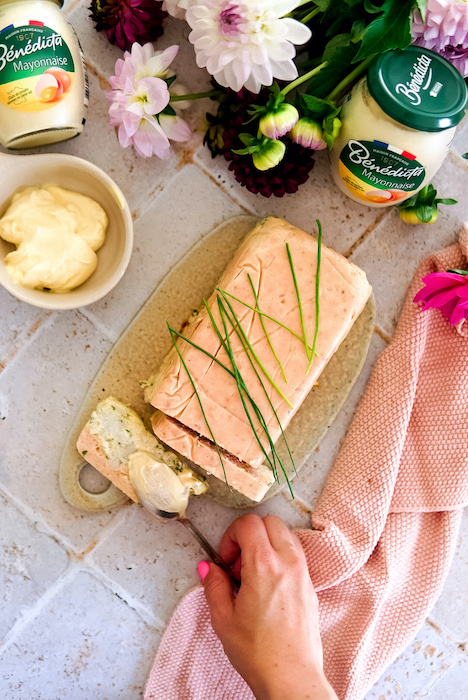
(48, 88)
(62, 77)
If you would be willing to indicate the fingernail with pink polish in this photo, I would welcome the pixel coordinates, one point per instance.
(203, 568)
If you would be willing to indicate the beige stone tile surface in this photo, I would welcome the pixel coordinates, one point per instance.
(85, 596)
(101, 650)
(23, 574)
(40, 392)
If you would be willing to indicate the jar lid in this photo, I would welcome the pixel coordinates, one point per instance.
(418, 88)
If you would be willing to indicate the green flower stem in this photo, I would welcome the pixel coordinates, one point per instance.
(303, 78)
(312, 14)
(350, 78)
(195, 96)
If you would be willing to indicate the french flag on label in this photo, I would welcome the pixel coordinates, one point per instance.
(35, 23)
(394, 149)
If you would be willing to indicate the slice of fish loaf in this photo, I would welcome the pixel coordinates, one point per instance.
(113, 432)
(251, 482)
(344, 291)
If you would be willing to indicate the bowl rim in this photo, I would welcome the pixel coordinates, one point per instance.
(64, 300)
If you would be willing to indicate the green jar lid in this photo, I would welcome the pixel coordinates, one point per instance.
(418, 88)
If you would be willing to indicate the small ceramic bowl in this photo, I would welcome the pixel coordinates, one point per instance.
(79, 175)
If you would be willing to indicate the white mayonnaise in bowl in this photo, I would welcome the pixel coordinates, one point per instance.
(76, 175)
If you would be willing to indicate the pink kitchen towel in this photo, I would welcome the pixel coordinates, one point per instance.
(385, 528)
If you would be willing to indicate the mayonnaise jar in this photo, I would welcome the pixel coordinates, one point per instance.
(397, 126)
(43, 81)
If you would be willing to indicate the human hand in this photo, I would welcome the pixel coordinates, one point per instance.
(270, 631)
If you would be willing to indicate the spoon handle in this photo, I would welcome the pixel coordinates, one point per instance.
(212, 553)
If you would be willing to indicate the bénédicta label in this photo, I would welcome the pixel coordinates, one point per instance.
(36, 68)
(378, 172)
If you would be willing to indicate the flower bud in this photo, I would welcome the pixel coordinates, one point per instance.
(336, 128)
(410, 216)
(269, 155)
(279, 121)
(308, 134)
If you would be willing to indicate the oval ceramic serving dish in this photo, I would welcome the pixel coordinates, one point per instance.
(142, 346)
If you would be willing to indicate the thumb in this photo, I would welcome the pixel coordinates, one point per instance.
(219, 594)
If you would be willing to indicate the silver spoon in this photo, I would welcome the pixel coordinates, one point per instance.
(163, 515)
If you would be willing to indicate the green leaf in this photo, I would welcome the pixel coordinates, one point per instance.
(170, 80)
(337, 42)
(245, 151)
(464, 273)
(248, 139)
(322, 4)
(422, 5)
(338, 67)
(169, 111)
(465, 156)
(357, 30)
(328, 127)
(318, 108)
(370, 8)
(446, 201)
(391, 30)
(408, 203)
(424, 213)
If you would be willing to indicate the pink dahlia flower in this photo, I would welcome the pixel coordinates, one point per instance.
(446, 291)
(445, 30)
(139, 100)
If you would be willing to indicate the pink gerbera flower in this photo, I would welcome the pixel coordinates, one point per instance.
(448, 292)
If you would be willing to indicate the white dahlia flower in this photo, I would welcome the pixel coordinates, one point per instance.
(176, 8)
(246, 43)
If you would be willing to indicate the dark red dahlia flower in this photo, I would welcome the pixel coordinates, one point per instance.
(127, 21)
(222, 137)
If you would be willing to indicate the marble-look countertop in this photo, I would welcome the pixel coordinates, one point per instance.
(85, 597)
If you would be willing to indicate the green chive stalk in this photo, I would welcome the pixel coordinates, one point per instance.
(245, 348)
(257, 307)
(263, 368)
(261, 313)
(201, 406)
(317, 293)
(298, 295)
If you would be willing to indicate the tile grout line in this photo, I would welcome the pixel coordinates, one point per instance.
(86, 563)
(37, 520)
(32, 613)
(381, 333)
(98, 325)
(381, 218)
(225, 191)
(27, 340)
(145, 613)
(41, 525)
(457, 160)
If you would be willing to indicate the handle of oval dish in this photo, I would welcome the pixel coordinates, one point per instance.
(212, 553)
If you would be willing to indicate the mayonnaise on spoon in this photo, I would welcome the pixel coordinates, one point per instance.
(159, 487)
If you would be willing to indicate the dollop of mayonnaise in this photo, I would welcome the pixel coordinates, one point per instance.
(56, 232)
(159, 487)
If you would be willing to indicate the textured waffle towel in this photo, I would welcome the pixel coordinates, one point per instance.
(385, 528)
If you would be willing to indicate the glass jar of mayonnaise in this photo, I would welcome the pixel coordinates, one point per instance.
(397, 126)
(43, 81)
